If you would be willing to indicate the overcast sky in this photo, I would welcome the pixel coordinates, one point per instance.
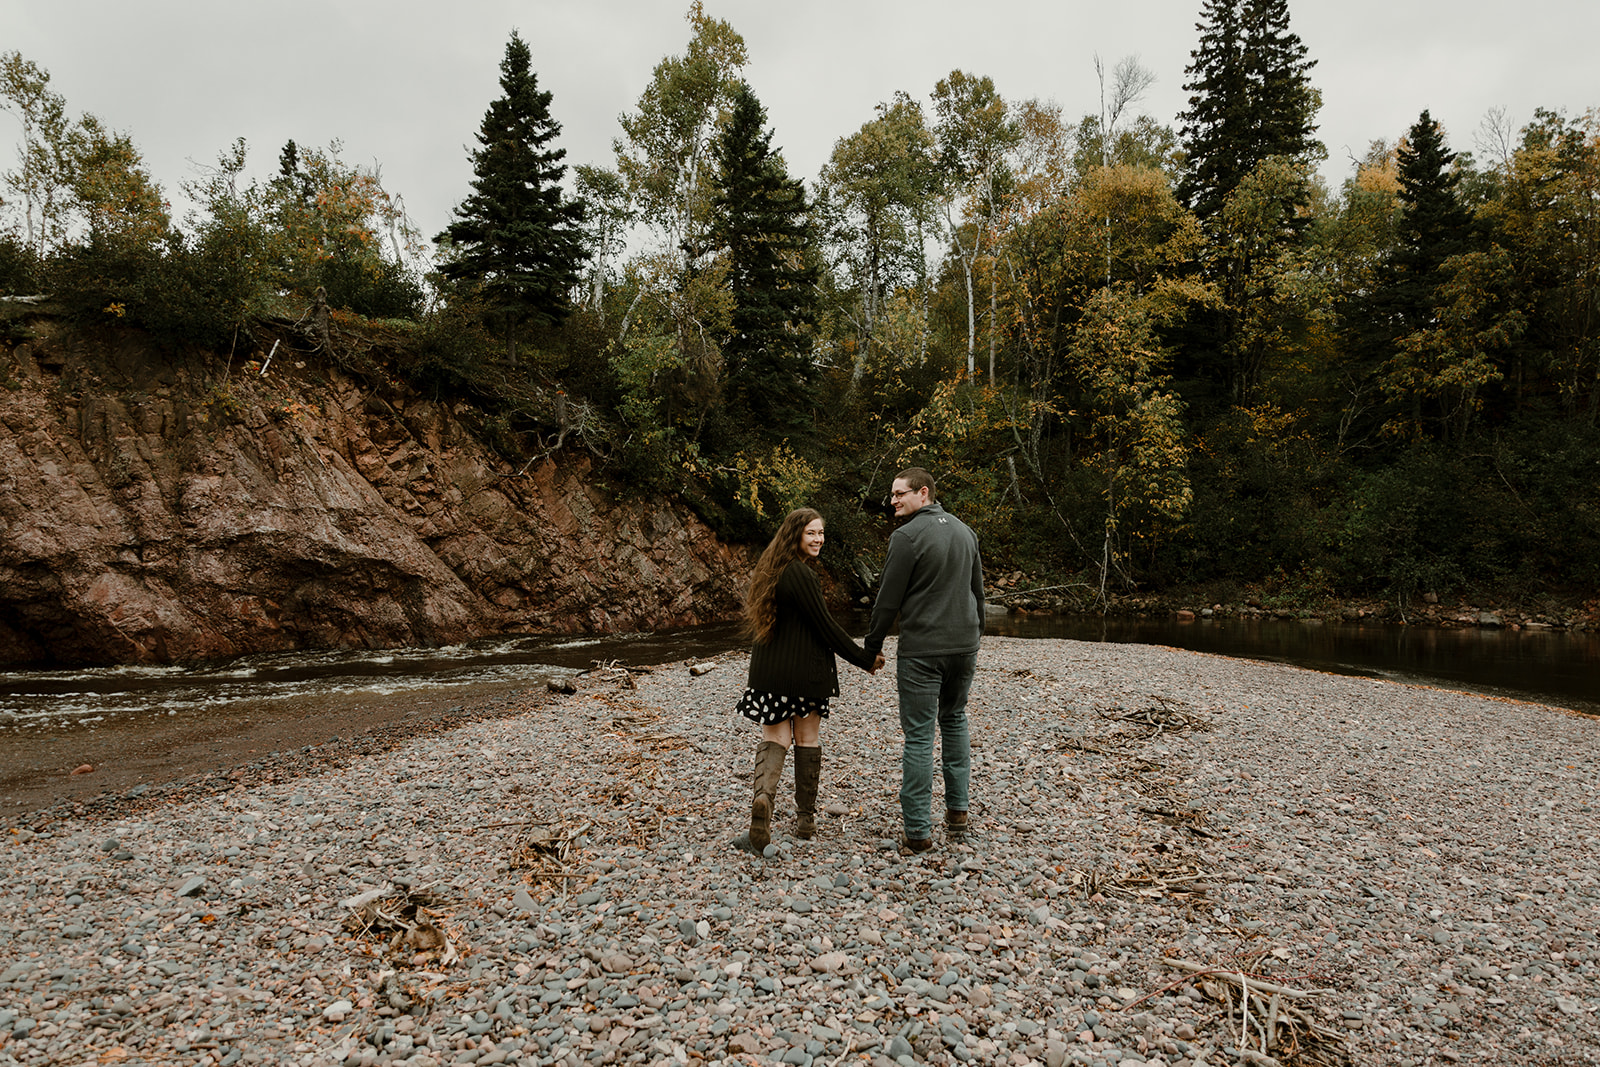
(404, 83)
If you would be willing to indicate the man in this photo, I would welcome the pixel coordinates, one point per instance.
(933, 580)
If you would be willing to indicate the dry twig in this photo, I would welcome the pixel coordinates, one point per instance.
(1271, 1027)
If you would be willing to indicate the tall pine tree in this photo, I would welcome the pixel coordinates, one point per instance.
(1424, 331)
(1433, 225)
(517, 236)
(762, 224)
(1248, 138)
(1251, 99)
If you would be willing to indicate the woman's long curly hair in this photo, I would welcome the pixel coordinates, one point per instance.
(761, 599)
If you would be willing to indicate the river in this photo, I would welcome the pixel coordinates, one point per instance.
(1549, 667)
(1544, 666)
(160, 721)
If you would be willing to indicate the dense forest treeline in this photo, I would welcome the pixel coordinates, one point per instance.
(1136, 355)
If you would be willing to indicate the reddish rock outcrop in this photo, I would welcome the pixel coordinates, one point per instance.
(154, 512)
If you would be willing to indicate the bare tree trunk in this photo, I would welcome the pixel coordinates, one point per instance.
(627, 317)
(994, 314)
(922, 334)
(319, 318)
(922, 286)
(972, 329)
(967, 256)
(869, 300)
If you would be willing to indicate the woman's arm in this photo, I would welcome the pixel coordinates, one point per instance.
(805, 591)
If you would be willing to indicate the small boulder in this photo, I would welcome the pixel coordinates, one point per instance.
(746, 1044)
(830, 962)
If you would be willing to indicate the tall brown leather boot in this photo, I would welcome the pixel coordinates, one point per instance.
(769, 770)
(807, 773)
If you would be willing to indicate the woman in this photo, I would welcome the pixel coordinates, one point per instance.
(792, 672)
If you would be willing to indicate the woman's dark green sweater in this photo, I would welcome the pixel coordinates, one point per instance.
(798, 659)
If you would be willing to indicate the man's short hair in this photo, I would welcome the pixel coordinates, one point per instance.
(917, 478)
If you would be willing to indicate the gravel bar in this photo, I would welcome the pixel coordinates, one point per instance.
(1177, 859)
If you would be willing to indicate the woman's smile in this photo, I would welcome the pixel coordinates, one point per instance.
(811, 538)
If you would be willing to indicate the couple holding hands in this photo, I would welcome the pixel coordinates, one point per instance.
(933, 581)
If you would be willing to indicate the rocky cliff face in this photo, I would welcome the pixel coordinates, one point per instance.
(156, 512)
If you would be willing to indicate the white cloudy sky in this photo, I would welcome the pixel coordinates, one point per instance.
(404, 83)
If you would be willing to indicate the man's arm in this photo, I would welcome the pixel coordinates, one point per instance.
(891, 593)
(977, 577)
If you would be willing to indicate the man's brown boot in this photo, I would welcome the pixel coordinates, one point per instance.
(769, 770)
(910, 846)
(807, 773)
(955, 825)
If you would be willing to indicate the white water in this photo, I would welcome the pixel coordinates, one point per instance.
(56, 699)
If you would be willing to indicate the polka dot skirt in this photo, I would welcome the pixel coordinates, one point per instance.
(768, 709)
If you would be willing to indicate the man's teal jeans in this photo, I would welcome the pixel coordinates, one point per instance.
(933, 692)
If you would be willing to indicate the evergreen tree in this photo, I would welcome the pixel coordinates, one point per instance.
(1438, 320)
(1248, 141)
(762, 223)
(517, 236)
(1403, 301)
(1283, 103)
(1251, 99)
(1433, 225)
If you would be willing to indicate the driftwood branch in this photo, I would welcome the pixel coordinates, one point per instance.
(1245, 982)
(1281, 1031)
(502, 825)
(1030, 592)
(612, 665)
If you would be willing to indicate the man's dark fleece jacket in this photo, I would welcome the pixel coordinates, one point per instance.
(798, 659)
(932, 579)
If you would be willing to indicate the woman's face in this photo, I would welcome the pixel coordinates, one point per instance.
(811, 538)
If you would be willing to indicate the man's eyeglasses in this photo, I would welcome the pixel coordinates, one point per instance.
(896, 494)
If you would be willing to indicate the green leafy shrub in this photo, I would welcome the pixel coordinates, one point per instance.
(180, 296)
(1408, 528)
(378, 289)
(20, 273)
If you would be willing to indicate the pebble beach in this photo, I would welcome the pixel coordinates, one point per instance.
(1177, 860)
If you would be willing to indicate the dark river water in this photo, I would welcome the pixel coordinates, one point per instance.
(1542, 666)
